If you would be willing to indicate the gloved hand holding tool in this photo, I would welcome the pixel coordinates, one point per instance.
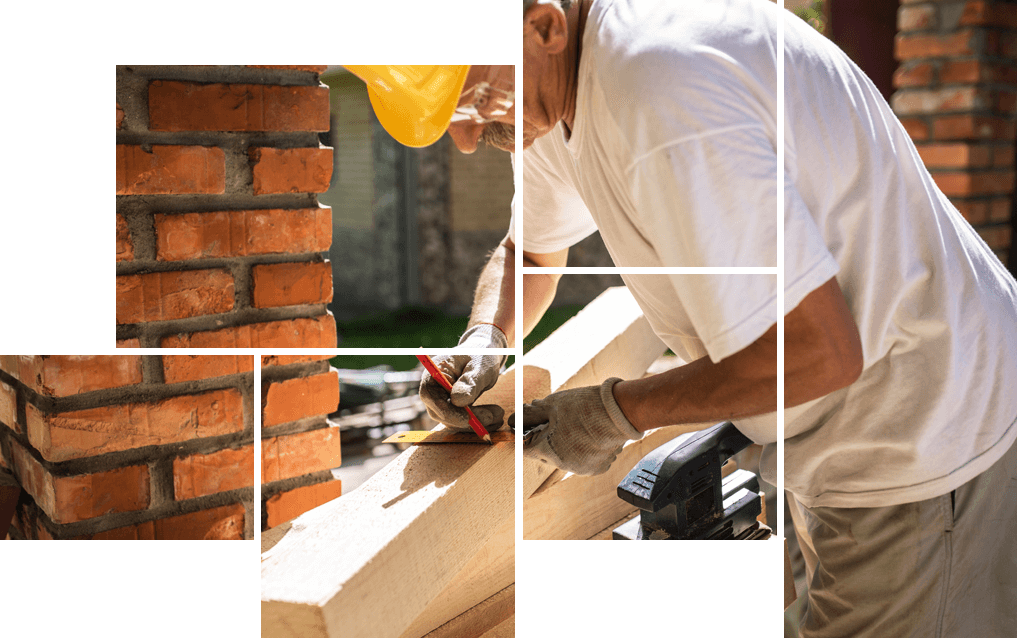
(471, 375)
(580, 430)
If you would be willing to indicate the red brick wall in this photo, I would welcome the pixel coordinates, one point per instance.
(298, 445)
(219, 232)
(957, 97)
(129, 446)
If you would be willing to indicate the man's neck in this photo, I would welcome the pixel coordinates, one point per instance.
(577, 20)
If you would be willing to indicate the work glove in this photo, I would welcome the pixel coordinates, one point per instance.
(585, 429)
(471, 375)
(483, 336)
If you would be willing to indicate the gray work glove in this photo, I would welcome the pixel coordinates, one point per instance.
(471, 375)
(585, 429)
(483, 336)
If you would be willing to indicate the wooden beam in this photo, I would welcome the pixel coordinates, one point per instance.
(427, 543)
(580, 507)
(373, 561)
(489, 573)
(610, 337)
(492, 618)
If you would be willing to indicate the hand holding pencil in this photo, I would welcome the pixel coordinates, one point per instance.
(450, 395)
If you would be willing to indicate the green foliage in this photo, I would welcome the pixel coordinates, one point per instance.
(813, 14)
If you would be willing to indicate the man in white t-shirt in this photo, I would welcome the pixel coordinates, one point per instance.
(668, 147)
(417, 104)
(903, 485)
(627, 167)
(657, 124)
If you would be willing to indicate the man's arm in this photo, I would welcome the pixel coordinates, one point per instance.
(822, 347)
(494, 299)
(539, 289)
(822, 354)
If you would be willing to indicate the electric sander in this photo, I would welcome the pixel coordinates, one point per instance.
(679, 489)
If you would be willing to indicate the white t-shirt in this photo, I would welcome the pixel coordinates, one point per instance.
(937, 313)
(673, 147)
(707, 315)
(670, 177)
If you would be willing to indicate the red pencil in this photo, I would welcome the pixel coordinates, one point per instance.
(433, 370)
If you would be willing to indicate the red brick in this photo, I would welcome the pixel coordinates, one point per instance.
(186, 106)
(66, 375)
(120, 115)
(243, 232)
(312, 332)
(285, 360)
(913, 74)
(956, 127)
(916, 128)
(999, 210)
(284, 457)
(291, 170)
(289, 505)
(1003, 156)
(1006, 102)
(955, 155)
(128, 343)
(125, 249)
(301, 398)
(908, 47)
(915, 18)
(967, 184)
(1008, 45)
(974, 71)
(917, 101)
(191, 367)
(996, 237)
(9, 407)
(170, 170)
(993, 14)
(221, 471)
(162, 296)
(289, 284)
(975, 212)
(314, 68)
(193, 526)
(70, 435)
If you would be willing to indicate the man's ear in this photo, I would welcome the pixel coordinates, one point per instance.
(545, 27)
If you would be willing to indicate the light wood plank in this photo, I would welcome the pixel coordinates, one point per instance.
(489, 572)
(369, 563)
(579, 507)
(610, 337)
(491, 618)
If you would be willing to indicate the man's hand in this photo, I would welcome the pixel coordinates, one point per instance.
(585, 429)
(483, 336)
(471, 375)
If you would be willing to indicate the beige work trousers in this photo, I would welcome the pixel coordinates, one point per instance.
(941, 568)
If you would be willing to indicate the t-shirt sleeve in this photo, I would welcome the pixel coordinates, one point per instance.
(808, 263)
(555, 216)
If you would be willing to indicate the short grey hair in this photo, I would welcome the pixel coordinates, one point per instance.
(564, 4)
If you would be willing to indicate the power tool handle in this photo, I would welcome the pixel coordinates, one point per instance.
(730, 441)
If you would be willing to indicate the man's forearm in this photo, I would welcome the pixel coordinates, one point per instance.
(494, 298)
(538, 293)
(742, 385)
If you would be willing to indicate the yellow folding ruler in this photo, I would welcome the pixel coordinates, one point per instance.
(447, 436)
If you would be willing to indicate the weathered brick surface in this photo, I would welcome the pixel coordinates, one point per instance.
(916, 128)
(913, 74)
(242, 232)
(960, 127)
(955, 155)
(315, 68)
(179, 368)
(284, 457)
(222, 523)
(62, 375)
(995, 14)
(965, 98)
(128, 343)
(120, 116)
(173, 295)
(314, 332)
(8, 406)
(291, 170)
(913, 18)
(187, 106)
(996, 236)
(289, 505)
(966, 184)
(125, 249)
(300, 398)
(202, 474)
(291, 284)
(934, 45)
(285, 360)
(170, 170)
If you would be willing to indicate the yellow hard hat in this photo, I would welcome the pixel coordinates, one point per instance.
(414, 102)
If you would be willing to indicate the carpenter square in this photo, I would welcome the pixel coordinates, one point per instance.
(446, 436)
(681, 495)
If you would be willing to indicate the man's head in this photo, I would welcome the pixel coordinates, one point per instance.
(417, 103)
(550, 64)
(486, 109)
(563, 4)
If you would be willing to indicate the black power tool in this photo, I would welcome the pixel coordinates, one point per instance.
(681, 493)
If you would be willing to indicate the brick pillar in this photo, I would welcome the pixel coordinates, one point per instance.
(298, 446)
(957, 97)
(219, 231)
(129, 447)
